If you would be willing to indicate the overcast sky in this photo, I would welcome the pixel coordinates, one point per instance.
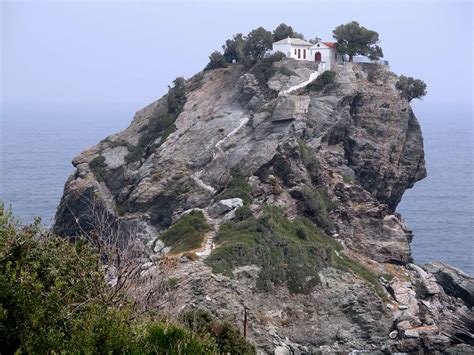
(126, 53)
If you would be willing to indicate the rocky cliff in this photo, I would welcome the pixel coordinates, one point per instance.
(316, 254)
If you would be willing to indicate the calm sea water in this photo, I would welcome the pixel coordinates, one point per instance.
(38, 145)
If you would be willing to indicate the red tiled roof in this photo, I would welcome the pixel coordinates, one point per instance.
(329, 44)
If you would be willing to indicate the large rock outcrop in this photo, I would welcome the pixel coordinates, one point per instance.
(357, 141)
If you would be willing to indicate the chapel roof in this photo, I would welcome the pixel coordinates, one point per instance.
(295, 41)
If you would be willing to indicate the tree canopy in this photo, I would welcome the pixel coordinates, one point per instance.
(234, 49)
(353, 39)
(411, 88)
(284, 31)
(257, 43)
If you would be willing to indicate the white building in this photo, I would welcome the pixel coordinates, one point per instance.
(299, 49)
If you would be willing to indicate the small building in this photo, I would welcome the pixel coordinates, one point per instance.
(299, 49)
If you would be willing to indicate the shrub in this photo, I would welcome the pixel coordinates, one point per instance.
(310, 161)
(216, 60)
(325, 81)
(228, 338)
(161, 125)
(97, 166)
(243, 213)
(176, 97)
(264, 69)
(187, 233)
(288, 252)
(316, 205)
(54, 299)
(411, 88)
(237, 186)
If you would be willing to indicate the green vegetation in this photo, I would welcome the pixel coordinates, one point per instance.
(54, 299)
(324, 82)
(411, 88)
(257, 43)
(284, 31)
(316, 206)
(310, 162)
(353, 39)
(187, 233)
(228, 338)
(288, 252)
(237, 186)
(242, 213)
(161, 124)
(264, 69)
(216, 60)
(176, 97)
(97, 166)
(345, 263)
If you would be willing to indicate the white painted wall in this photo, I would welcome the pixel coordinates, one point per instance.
(289, 50)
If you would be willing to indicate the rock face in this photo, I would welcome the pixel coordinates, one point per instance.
(358, 140)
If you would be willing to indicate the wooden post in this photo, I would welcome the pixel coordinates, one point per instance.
(245, 322)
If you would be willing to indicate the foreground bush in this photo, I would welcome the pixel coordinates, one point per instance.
(53, 299)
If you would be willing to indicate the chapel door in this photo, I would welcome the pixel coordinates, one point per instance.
(317, 56)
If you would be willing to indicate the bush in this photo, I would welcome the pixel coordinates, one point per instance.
(243, 213)
(228, 338)
(187, 233)
(411, 88)
(160, 125)
(216, 60)
(264, 69)
(310, 162)
(176, 97)
(54, 299)
(316, 205)
(325, 81)
(237, 186)
(97, 166)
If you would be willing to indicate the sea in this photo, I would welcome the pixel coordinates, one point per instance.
(38, 144)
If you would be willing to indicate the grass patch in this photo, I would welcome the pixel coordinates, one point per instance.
(288, 252)
(97, 166)
(237, 187)
(187, 233)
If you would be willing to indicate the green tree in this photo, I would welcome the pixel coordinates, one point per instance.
(353, 39)
(411, 88)
(257, 43)
(177, 96)
(216, 60)
(234, 49)
(284, 31)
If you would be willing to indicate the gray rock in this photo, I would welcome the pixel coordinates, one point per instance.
(454, 281)
(224, 206)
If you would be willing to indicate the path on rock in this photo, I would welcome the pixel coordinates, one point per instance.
(217, 148)
(312, 77)
(209, 245)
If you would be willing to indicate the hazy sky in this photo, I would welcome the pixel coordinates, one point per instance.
(126, 53)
